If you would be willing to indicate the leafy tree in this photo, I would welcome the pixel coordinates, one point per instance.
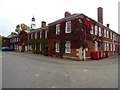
(24, 26)
(18, 29)
(21, 27)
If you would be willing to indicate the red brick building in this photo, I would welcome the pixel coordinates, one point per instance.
(75, 36)
(103, 38)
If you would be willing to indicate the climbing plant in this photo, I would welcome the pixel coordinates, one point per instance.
(80, 32)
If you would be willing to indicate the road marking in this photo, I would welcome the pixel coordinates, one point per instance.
(53, 87)
(85, 70)
(36, 75)
(66, 75)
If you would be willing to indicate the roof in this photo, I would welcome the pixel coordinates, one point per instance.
(38, 29)
(12, 36)
(66, 18)
(78, 15)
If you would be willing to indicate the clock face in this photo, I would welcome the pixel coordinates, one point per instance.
(33, 19)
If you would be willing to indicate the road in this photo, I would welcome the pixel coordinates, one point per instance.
(25, 70)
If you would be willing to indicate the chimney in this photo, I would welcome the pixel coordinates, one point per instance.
(100, 15)
(43, 24)
(66, 14)
(107, 25)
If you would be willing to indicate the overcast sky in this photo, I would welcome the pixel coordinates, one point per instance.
(14, 12)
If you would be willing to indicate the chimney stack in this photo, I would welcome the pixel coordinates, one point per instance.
(100, 15)
(108, 25)
(43, 24)
(66, 14)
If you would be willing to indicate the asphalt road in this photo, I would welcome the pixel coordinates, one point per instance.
(24, 70)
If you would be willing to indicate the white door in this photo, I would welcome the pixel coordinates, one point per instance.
(80, 53)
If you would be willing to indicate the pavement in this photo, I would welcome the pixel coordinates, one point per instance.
(27, 70)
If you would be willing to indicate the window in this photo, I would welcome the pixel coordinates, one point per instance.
(17, 39)
(35, 35)
(68, 27)
(111, 35)
(40, 46)
(96, 29)
(107, 34)
(68, 47)
(32, 36)
(114, 47)
(40, 34)
(96, 46)
(99, 31)
(111, 46)
(57, 46)
(91, 29)
(104, 32)
(105, 46)
(45, 33)
(58, 29)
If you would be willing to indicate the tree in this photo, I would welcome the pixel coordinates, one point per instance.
(21, 27)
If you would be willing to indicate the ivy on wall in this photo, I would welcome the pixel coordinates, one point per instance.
(80, 32)
(23, 36)
(36, 45)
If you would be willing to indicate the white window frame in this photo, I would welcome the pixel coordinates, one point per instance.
(105, 46)
(36, 35)
(91, 29)
(96, 46)
(68, 47)
(100, 31)
(58, 29)
(68, 27)
(111, 47)
(31, 35)
(40, 34)
(105, 32)
(57, 47)
(111, 35)
(40, 46)
(45, 33)
(96, 29)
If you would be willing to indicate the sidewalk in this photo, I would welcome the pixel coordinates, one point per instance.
(104, 61)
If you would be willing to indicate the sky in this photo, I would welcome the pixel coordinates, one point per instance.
(14, 12)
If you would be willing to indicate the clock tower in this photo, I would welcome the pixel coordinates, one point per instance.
(33, 26)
